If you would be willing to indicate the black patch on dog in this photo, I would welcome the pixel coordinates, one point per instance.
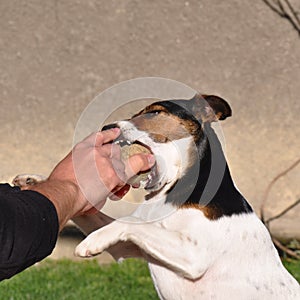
(226, 199)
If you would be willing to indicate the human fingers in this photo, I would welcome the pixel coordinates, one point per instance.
(138, 163)
(119, 168)
(110, 151)
(103, 137)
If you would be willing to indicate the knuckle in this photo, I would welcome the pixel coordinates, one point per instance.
(113, 178)
(111, 174)
(115, 150)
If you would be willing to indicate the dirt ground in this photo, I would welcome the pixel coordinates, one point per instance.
(56, 56)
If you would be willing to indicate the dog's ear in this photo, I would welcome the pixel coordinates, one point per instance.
(210, 108)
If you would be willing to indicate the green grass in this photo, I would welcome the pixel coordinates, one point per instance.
(293, 267)
(69, 280)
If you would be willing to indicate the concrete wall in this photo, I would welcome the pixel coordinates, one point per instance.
(55, 56)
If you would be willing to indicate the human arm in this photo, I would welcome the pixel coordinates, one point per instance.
(28, 229)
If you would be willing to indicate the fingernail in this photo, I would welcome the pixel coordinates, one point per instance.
(116, 129)
(151, 159)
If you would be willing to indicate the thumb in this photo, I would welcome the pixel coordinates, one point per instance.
(138, 163)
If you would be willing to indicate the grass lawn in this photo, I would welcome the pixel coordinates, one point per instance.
(65, 279)
(68, 280)
(293, 267)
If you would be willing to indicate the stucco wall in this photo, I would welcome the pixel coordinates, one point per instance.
(55, 56)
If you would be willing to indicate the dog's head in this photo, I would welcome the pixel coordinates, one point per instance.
(174, 131)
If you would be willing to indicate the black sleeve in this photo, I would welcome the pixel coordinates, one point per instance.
(28, 229)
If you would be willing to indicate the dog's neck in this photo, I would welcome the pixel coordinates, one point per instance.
(214, 191)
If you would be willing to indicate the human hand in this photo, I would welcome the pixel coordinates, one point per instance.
(81, 182)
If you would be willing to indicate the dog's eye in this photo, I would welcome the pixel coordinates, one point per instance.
(151, 114)
(155, 112)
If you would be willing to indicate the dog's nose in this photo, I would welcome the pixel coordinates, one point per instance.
(110, 126)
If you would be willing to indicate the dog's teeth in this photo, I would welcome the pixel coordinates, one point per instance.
(143, 184)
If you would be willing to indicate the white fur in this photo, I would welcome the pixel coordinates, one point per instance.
(23, 180)
(171, 157)
(192, 257)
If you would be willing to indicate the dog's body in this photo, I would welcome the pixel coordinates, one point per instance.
(205, 242)
(191, 257)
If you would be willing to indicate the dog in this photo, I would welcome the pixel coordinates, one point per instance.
(200, 236)
(211, 245)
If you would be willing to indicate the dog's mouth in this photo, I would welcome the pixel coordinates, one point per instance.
(147, 180)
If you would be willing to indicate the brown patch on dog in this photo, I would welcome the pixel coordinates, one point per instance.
(151, 109)
(210, 211)
(159, 138)
(163, 126)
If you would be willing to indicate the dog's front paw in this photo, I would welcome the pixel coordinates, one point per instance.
(25, 180)
(99, 240)
(86, 249)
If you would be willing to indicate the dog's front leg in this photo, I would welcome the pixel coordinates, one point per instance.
(174, 250)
